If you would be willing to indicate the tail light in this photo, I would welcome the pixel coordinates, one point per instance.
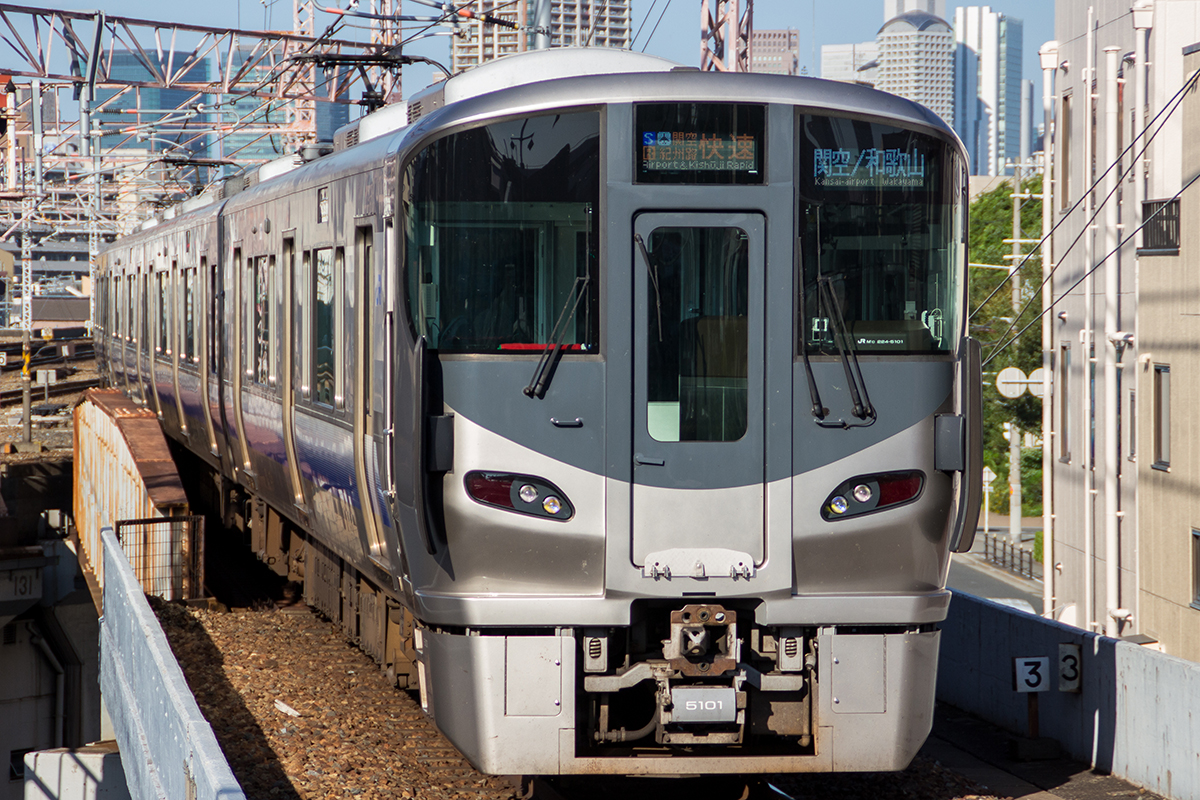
(524, 494)
(868, 493)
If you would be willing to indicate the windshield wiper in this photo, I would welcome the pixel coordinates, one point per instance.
(544, 371)
(652, 270)
(862, 407)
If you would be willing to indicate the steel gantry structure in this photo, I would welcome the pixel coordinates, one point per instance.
(726, 30)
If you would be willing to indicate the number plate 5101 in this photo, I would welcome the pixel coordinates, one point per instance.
(703, 704)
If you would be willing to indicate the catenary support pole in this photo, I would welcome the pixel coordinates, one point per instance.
(1049, 59)
(1087, 334)
(1112, 392)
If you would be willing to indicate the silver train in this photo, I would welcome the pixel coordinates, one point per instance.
(625, 411)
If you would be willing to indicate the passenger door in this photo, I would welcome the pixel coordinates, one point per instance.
(698, 380)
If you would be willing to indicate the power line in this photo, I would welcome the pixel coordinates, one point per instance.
(1171, 107)
(1096, 266)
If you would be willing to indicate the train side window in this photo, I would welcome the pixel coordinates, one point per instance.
(210, 275)
(302, 339)
(163, 312)
(189, 314)
(145, 299)
(362, 241)
(323, 204)
(325, 366)
(259, 319)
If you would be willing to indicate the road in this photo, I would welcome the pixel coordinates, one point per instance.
(971, 574)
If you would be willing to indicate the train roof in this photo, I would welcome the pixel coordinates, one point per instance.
(546, 79)
(542, 80)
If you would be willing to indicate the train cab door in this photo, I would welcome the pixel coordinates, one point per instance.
(698, 381)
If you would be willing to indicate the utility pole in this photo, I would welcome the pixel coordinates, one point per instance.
(35, 111)
(1014, 441)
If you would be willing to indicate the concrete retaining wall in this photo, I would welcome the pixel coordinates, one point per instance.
(168, 749)
(1137, 716)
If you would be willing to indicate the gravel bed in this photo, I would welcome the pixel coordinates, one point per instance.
(357, 736)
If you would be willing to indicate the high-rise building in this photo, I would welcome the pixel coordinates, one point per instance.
(916, 61)
(145, 107)
(776, 52)
(987, 95)
(573, 23)
(857, 63)
(894, 8)
(255, 140)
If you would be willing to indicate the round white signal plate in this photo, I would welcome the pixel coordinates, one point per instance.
(1036, 387)
(1011, 382)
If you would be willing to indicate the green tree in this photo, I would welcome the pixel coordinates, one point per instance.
(993, 323)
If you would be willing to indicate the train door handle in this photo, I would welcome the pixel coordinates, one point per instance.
(648, 461)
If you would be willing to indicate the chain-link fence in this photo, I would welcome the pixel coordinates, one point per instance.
(167, 555)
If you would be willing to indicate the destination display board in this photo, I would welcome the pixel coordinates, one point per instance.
(868, 167)
(845, 154)
(699, 143)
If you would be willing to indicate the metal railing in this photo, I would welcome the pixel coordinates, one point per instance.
(166, 553)
(999, 550)
(1161, 232)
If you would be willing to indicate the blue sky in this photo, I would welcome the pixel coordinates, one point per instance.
(678, 24)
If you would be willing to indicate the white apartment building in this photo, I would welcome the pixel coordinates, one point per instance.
(916, 61)
(1122, 539)
(851, 62)
(573, 23)
(987, 87)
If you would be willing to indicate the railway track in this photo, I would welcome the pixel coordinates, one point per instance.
(39, 393)
(357, 736)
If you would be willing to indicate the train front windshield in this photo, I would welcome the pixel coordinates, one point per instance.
(881, 225)
(502, 236)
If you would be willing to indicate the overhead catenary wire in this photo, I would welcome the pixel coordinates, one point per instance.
(654, 30)
(1168, 110)
(1094, 267)
(1165, 113)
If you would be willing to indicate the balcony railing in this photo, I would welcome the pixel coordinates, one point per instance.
(1160, 234)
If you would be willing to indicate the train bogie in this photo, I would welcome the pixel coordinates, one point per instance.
(629, 417)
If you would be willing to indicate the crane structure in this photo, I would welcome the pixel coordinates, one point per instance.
(726, 30)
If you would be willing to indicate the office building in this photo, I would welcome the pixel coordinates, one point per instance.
(776, 52)
(987, 88)
(573, 23)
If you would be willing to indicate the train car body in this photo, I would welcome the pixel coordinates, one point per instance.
(629, 409)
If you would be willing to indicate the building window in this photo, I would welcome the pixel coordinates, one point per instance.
(1160, 235)
(1195, 568)
(1133, 426)
(1162, 417)
(1063, 135)
(16, 764)
(1064, 403)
